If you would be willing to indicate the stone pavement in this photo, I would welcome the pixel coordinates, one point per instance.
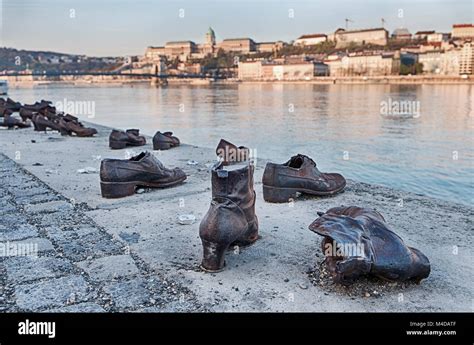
(71, 263)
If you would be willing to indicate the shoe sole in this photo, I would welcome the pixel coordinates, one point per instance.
(280, 195)
(117, 145)
(113, 190)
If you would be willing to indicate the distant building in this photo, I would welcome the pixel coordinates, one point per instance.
(378, 36)
(401, 34)
(269, 47)
(463, 31)
(210, 37)
(441, 63)
(172, 50)
(437, 37)
(422, 35)
(255, 70)
(321, 69)
(466, 59)
(309, 40)
(188, 68)
(181, 49)
(238, 45)
(154, 53)
(364, 65)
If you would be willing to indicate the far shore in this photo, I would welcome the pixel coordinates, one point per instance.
(30, 81)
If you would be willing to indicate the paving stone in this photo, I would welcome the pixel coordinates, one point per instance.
(26, 268)
(6, 207)
(85, 242)
(35, 199)
(36, 244)
(18, 232)
(53, 293)
(16, 181)
(42, 244)
(109, 267)
(26, 192)
(87, 307)
(57, 218)
(128, 294)
(13, 218)
(48, 207)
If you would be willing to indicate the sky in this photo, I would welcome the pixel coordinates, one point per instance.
(127, 27)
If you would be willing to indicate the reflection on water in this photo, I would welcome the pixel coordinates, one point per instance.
(340, 126)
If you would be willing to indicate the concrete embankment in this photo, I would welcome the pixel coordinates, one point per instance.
(144, 247)
(31, 81)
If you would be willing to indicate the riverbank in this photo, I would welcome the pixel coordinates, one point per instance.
(32, 81)
(131, 254)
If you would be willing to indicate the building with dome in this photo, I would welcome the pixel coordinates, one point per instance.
(401, 34)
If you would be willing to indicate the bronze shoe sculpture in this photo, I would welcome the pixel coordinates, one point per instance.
(282, 182)
(164, 141)
(10, 104)
(229, 153)
(357, 241)
(120, 139)
(231, 218)
(26, 114)
(69, 124)
(42, 123)
(11, 122)
(120, 177)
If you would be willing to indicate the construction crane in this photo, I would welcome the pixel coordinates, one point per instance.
(347, 22)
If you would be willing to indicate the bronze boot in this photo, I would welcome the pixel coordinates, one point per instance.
(230, 220)
(229, 153)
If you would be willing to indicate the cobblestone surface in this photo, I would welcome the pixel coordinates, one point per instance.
(54, 258)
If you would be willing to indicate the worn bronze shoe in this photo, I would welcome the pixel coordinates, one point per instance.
(357, 242)
(164, 141)
(38, 106)
(11, 104)
(68, 126)
(282, 182)
(42, 123)
(12, 122)
(230, 220)
(229, 153)
(120, 139)
(26, 114)
(120, 177)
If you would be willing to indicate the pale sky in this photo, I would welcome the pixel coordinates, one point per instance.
(127, 27)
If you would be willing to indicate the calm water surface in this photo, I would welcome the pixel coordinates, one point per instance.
(340, 126)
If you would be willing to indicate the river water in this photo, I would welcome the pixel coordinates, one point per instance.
(357, 130)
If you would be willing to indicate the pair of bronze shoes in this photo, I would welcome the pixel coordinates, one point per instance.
(164, 141)
(121, 139)
(64, 123)
(231, 219)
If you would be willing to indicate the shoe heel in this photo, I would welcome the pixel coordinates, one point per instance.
(115, 145)
(278, 195)
(213, 256)
(161, 146)
(39, 128)
(64, 132)
(116, 190)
